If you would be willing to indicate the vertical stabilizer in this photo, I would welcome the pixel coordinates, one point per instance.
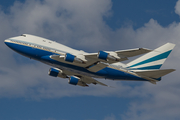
(153, 59)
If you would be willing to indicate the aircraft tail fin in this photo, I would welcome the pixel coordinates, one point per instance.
(153, 59)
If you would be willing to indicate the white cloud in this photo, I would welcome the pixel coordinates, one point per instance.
(177, 7)
(65, 21)
(155, 102)
(79, 23)
(69, 21)
(159, 101)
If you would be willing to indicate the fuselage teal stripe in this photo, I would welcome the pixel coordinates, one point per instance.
(155, 58)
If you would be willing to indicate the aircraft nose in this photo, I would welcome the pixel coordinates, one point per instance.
(7, 42)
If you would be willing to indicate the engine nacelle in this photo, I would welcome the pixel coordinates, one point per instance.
(71, 58)
(108, 56)
(73, 80)
(102, 55)
(56, 73)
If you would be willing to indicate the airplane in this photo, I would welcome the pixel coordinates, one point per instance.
(81, 68)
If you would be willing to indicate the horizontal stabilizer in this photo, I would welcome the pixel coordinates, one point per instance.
(154, 73)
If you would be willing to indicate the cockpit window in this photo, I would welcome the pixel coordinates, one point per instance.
(23, 35)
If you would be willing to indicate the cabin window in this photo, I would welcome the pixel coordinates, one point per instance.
(23, 35)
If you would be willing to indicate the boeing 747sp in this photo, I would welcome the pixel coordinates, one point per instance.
(81, 67)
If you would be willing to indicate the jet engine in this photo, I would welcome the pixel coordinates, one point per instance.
(71, 58)
(108, 56)
(73, 80)
(56, 73)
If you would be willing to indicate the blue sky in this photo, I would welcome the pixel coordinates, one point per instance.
(28, 93)
(141, 11)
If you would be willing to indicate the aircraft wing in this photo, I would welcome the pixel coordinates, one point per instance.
(83, 80)
(89, 80)
(94, 62)
(122, 54)
(98, 60)
(133, 52)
